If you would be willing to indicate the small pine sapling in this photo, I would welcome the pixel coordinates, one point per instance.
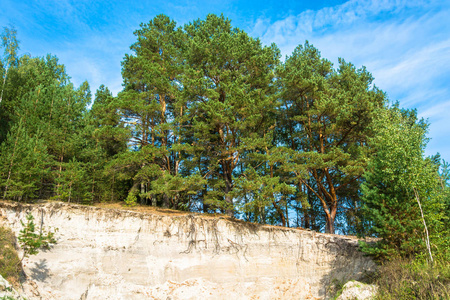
(30, 241)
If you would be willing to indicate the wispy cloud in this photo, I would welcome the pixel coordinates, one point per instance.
(300, 27)
(405, 44)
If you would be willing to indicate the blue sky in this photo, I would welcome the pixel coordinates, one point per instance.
(404, 44)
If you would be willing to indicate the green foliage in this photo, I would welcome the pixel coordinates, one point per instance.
(229, 83)
(10, 45)
(30, 241)
(149, 109)
(8, 63)
(327, 117)
(393, 174)
(24, 162)
(72, 183)
(131, 199)
(9, 259)
(192, 101)
(400, 279)
(45, 115)
(210, 120)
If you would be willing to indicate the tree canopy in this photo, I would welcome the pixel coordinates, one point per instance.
(211, 120)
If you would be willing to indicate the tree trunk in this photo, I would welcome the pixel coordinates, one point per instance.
(328, 201)
(70, 192)
(93, 185)
(12, 159)
(306, 219)
(329, 227)
(279, 211)
(427, 241)
(61, 159)
(143, 199)
(228, 188)
(330, 216)
(166, 201)
(112, 186)
(287, 214)
(205, 205)
(3, 86)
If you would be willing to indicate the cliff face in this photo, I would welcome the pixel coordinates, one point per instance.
(117, 254)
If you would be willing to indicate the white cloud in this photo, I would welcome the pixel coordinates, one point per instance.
(409, 68)
(94, 68)
(405, 44)
(311, 22)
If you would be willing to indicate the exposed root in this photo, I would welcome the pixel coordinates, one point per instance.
(238, 248)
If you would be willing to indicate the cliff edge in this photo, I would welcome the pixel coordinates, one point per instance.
(119, 254)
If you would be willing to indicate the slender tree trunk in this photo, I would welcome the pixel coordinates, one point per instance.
(61, 158)
(305, 211)
(12, 159)
(3, 86)
(93, 178)
(70, 192)
(427, 241)
(329, 207)
(306, 219)
(226, 168)
(143, 200)
(112, 186)
(143, 189)
(287, 214)
(205, 205)
(58, 186)
(275, 204)
(93, 185)
(279, 211)
(329, 227)
(330, 216)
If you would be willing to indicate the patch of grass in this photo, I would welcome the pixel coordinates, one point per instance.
(335, 288)
(10, 267)
(400, 279)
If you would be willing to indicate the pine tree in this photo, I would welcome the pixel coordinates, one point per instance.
(228, 89)
(102, 139)
(149, 106)
(403, 199)
(24, 162)
(46, 118)
(328, 116)
(9, 84)
(10, 59)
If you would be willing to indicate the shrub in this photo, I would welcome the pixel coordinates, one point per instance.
(131, 199)
(30, 241)
(10, 268)
(400, 279)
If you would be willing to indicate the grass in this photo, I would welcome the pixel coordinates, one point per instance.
(401, 279)
(10, 267)
(404, 280)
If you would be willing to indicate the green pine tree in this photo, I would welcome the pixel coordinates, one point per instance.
(229, 91)
(327, 115)
(401, 185)
(30, 241)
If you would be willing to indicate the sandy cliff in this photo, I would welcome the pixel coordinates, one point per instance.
(118, 254)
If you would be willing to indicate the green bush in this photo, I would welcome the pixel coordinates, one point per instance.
(403, 280)
(131, 199)
(30, 241)
(10, 268)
